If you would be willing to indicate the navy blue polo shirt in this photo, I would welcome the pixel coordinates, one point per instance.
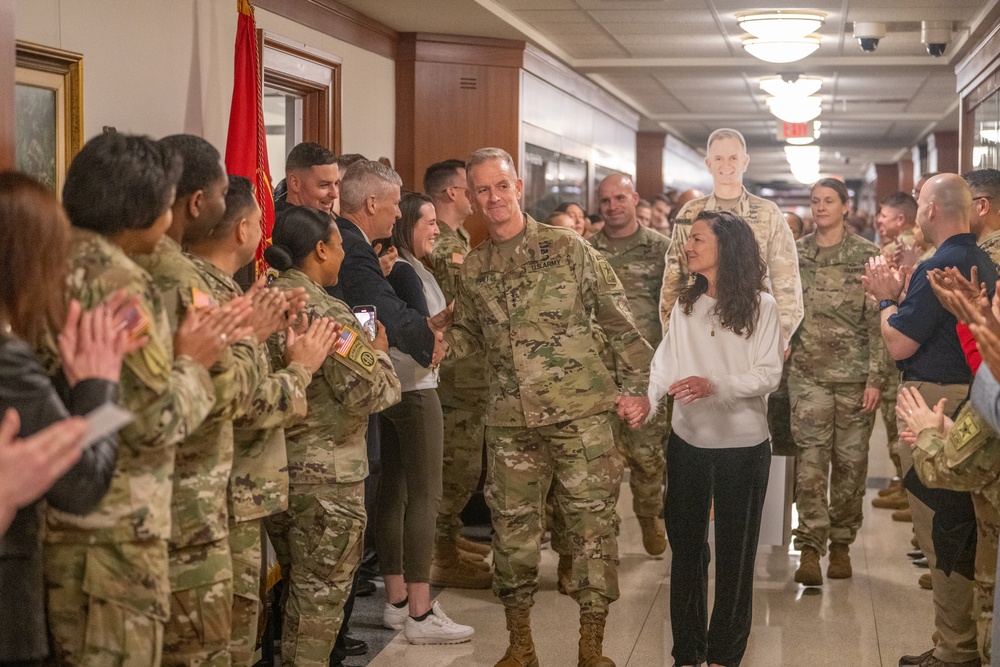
(922, 317)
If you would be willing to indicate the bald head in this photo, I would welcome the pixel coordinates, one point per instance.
(944, 207)
(617, 198)
(687, 196)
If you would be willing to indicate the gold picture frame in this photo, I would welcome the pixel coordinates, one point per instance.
(48, 111)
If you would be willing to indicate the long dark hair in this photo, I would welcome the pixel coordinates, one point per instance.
(740, 273)
(409, 208)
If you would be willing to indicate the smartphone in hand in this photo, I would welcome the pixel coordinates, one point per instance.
(366, 317)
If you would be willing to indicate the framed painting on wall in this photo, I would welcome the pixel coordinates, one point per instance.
(48, 112)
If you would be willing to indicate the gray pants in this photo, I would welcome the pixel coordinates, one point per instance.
(410, 489)
(955, 628)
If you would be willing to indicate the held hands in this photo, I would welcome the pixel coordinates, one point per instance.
(633, 409)
(206, 332)
(314, 344)
(440, 349)
(442, 321)
(92, 344)
(881, 281)
(690, 389)
(912, 409)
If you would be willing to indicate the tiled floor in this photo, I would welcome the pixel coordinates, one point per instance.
(867, 621)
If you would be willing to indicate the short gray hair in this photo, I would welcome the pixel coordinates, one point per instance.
(363, 179)
(487, 155)
(726, 133)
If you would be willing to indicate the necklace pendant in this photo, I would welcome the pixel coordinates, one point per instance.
(713, 331)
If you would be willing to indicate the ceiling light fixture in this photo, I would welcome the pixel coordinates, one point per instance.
(782, 50)
(795, 109)
(783, 25)
(802, 86)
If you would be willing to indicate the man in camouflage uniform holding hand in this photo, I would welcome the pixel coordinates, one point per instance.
(535, 300)
(462, 388)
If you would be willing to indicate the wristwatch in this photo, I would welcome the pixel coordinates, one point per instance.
(885, 303)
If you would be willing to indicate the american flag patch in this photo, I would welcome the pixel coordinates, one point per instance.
(457, 258)
(345, 342)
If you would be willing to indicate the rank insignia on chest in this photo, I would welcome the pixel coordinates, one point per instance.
(965, 431)
(346, 341)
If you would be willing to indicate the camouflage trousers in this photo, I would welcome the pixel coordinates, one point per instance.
(988, 529)
(888, 408)
(831, 434)
(579, 458)
(464, 432)
(643, 451)
(107, 603)
(244, 543)
(201, 607)
(318, 541)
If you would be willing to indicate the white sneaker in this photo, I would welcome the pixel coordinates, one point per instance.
(437, 628)
(394, 618)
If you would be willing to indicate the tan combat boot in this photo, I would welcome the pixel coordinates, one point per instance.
(449, 569)
(521, 652)
(592, 639)
(564, 574)
(903, 515)
(840, 562)
(470, 547)
(892, 501)
(654, 540)
(809, 572)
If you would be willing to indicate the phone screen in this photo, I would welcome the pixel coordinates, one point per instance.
(366, 317)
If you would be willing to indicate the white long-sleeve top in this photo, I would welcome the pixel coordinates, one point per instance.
(743, 370)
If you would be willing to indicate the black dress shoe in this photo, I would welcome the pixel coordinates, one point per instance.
(922, 562)
(916, 553)
(915, 659)
(355, 646)
(366, 587)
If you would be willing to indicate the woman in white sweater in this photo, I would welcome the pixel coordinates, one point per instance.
(719, 360)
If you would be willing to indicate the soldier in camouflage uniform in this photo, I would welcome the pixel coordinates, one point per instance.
(727, 161)
(318, 539)
(637, 256)
(258, 483)
(835, 382)
(965, 458)
(107, 574)
(532, 298)
(201, 575)
(462, 389)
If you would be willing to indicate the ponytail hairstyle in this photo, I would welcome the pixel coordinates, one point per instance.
(296, 232)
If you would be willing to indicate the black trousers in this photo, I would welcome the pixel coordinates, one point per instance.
(736, 479)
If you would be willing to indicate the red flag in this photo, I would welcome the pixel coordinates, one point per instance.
(246, 147)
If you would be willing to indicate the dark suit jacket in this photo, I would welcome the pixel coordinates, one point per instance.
(362, 283)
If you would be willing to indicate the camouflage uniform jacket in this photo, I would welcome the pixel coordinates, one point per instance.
(840, 337)
(258, 483)
(991, 244)
(457, 376)
(534, 317)
(777, 248)
(638, 262)
(168, 397)
(356, 380)
(199, 510)
(966, 459)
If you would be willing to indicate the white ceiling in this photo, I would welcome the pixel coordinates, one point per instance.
(680, 64)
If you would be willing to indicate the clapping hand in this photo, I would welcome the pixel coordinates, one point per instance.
(912, 409)
(965, 299)
(881, 281)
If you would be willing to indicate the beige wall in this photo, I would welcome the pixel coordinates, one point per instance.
(164, 67)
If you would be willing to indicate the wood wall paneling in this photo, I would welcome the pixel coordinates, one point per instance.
(7, 67)
(945, 145)
(886, 180)
(905, 175)
(339, 21)
(460, 49)
(649, 163)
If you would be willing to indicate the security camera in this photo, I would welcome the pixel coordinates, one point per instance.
(868, 34)
(936, 35)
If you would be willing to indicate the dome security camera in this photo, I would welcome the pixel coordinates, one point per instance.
(936, 35)
(868, 34)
